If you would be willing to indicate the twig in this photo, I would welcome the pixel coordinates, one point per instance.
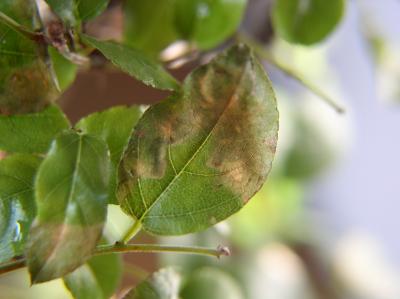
(138, 248)
(36, 36)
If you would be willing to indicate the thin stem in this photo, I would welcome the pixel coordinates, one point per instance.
(11, 266)
(139, 248)
(155, 248)
(131, 232)
(259, 50)
(19, 28)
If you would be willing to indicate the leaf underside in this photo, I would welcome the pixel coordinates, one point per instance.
(199, 156)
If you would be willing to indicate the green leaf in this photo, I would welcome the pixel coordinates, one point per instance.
(163, 284)
(25, 83)
(71, 196)
(31, 133)
(17, 204)
(135, 63)
(65, 71)
(208, 22)
(98, 278)
(211, 283)
(114, 126)
(89, 9)
(66, 9)
(149, 25)
(74, 11)
(306, 22)
(199, 156)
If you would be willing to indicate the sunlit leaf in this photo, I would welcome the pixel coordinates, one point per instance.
(199, 156)
(135, 63)
(25, 83)
(114, 126)
(71, 192)
(64, 70)
(208, 22)
(17, 204)
(149, 25)
(98, 278)
(163, 284)
(306, 21)
(31, 133)
(210, 283)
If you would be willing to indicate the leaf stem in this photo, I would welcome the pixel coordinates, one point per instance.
(138, 248)
(260, 51)
(36, 36)
(155, 248)
(131, 232)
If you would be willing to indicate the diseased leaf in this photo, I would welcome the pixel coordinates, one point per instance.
(71, 195)
(135, 63)
(199, 156)
(114, 126)
(211, 283)
(149, 25)
(65, 71)
(31, 133)
(17, 204)
(163, 284)
(98, 278)
(306, 22)
(208, 22)
(25, 83)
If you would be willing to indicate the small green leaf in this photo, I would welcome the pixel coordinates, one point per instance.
(31, 133)
(97, 279)
(135, 63)
(208, 22)
(89, 9)
(149, 25)
(306, 22)
(17, 204)
(163, 284)
(114, 126)
(74, 11)
(199, 156)
(65, 71)
(25, 83)
(71, 196)
(211, 283)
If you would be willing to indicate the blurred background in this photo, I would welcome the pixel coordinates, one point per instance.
(325, 224)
